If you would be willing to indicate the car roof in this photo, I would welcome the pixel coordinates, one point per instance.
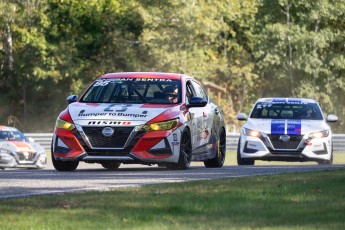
(173, 76)
(7, 128)
(287, 100)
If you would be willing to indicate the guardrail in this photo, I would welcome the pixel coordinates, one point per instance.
(45, 139)
(231, 141)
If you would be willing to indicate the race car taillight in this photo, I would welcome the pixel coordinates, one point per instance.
(64, 121)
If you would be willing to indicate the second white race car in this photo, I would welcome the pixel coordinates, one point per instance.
(285, 129)
(17, 151)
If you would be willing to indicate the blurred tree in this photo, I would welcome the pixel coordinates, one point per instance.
(211, 40)
(300, 51)
(24, 54)
(252, 48)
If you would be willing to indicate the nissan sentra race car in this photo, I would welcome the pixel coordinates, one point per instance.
(147, 118)
(17, 151)
(285, 129)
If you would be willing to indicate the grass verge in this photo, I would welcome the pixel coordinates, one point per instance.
(314, 200)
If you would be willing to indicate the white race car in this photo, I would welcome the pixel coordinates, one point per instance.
(17, 151)
(285, 129)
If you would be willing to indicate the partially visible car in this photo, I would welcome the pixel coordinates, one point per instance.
(285, 129)
(164, 119)
(17, 151)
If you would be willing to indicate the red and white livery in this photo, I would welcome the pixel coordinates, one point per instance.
(147, 118)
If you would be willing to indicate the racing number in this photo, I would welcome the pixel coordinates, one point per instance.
(123, 109)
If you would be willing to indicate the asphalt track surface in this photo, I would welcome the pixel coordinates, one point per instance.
(18, 183)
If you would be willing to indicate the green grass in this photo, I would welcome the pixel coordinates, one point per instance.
(314, 200)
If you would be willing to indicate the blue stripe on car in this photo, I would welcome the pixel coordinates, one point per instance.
(278, 127)
(294, 127)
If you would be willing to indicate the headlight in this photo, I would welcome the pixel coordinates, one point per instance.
(165, 125)
(4, 152)
(61, 124)
(319, 134)
(252, 133)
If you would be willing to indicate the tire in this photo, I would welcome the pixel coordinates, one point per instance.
(63, 166)
(240, 160)
(185, 157)
(327, 162)
(218, 160)
(111, 165)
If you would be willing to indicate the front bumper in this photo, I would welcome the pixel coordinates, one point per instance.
(19, 160)
(136, 147)
(268, 148)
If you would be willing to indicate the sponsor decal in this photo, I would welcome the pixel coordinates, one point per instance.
(278, 127)
(203, 135)
(294, 126)
(175, 143)
(104, 82)
(119, 114)
(286, 127)
(109, 123)
(288, 101)
(153, 79)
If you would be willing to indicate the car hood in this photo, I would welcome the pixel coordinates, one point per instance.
(282, 126)
(21, 146)
(114, 114)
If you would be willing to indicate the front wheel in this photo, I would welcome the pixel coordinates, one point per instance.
(240, 160)
(218, 160)
(64, 165)
(327, 162)
(111, 165)
(185, 157)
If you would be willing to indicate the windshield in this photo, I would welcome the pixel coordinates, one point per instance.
(134, 91)
(12, 136)
(284, 110)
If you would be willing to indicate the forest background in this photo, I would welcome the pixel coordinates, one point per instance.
(50, 49)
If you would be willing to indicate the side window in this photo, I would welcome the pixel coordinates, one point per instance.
(189, 91)
(199, 90)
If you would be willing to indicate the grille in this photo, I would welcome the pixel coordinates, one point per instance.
(29, 157)
(117, 140)
(291, 144)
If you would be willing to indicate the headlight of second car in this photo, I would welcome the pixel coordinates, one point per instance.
(250, 132)
(61, 124)
(319, 134)
(4, 152)
(164, 125)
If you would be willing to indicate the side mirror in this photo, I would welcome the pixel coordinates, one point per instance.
(72, 98)
(332, 118)
(241, 117)
(197, 102)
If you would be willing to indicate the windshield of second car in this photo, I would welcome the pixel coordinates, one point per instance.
(299, 111)
(6, 135)
(134, 91)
